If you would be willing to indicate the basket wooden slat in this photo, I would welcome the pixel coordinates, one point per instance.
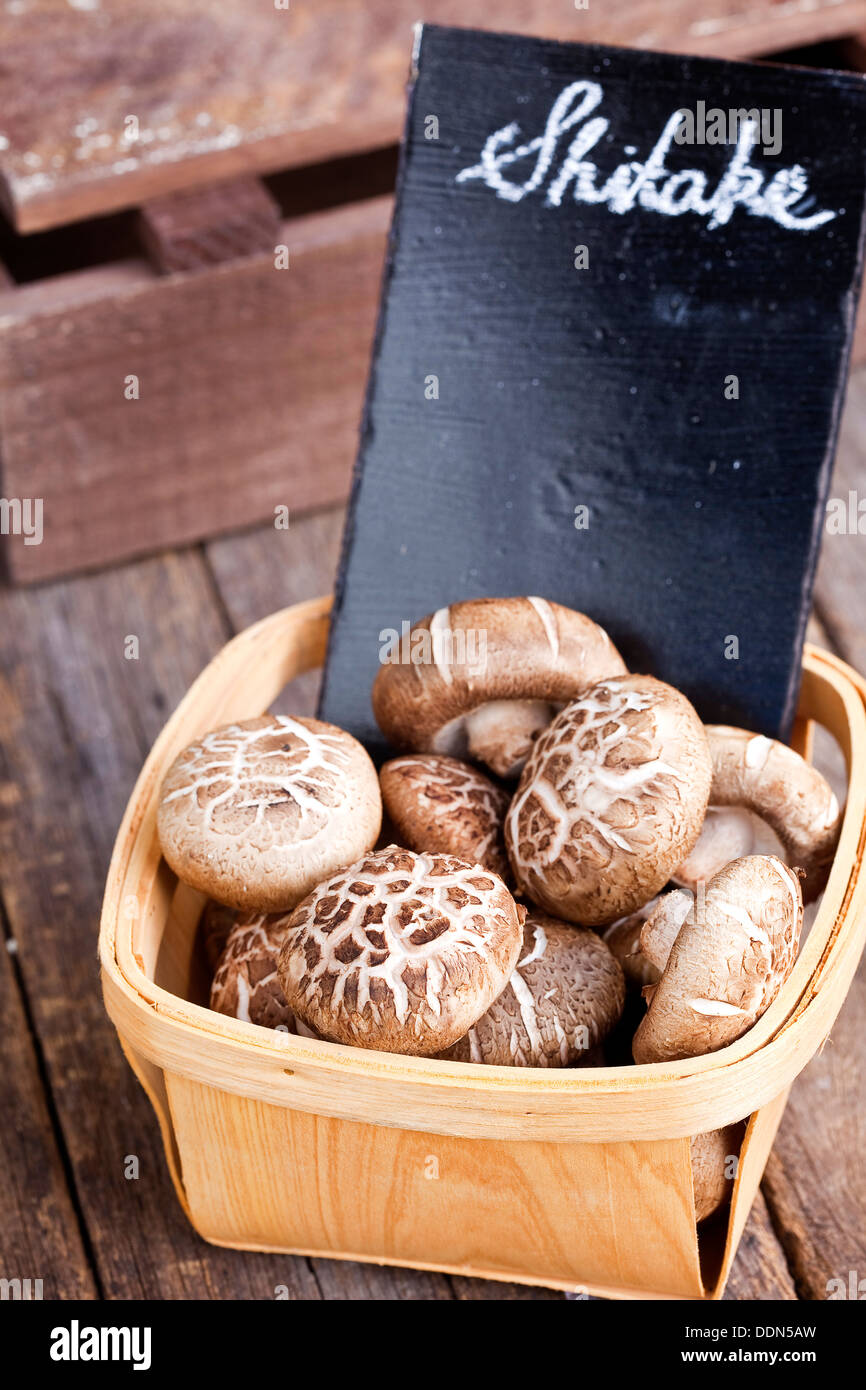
(275, 1136)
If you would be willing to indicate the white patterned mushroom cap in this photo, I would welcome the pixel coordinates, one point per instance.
(479, 679)
(246, 984)
(565, 995)
(447, 806)
(402, 952)
(731, 956)
(611, 800)
(256, 813)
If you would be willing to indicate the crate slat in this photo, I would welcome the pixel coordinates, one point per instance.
(219, 88)
(250, 381)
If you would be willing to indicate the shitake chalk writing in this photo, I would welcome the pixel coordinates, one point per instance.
(644, 183)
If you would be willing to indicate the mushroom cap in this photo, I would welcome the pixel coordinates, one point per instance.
(446, 806)
(246, 984)
(785, 791)
(402, 952)
(216, 922)
(562, 1000)
(611, 800)
(712, 1153)
(256, 813)
(733, 952)
(482, 676)
(623, 939)
(728, 833)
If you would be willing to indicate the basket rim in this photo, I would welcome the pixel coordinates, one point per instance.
(589, 1103)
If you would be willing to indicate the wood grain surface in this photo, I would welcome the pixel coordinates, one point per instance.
(149, 410)
(76, 719)
(222, 87)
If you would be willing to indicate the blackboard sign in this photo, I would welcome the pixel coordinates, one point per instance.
(610, 359)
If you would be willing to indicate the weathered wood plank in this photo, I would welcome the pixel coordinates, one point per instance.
(216, 89)
(207, 226)
(342, 1280)
(815, 1182)
(40, 1237)
(760, 1271)
(266, 569)
(148, 411)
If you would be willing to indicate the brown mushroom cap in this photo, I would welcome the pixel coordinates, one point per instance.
(402, 952)
(733, 952)
(611, 800)
(256, 813)
(448, 807)
(246, 984)
(728, 833)
(565, 995)
(785, 791)
(714, 1166)
(479, 679)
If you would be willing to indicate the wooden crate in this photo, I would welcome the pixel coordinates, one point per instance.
(575, 1179)
(249, 378)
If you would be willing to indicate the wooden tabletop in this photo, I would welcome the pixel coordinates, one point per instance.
(104, 105)
(76, 719)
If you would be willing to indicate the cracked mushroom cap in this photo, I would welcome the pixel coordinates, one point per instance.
(479, 679)
(246, 984)
(564, 997)
(736, 947)
(787, 793)
(402, 952)
(256, 813)
(611, 800)
(448, 807)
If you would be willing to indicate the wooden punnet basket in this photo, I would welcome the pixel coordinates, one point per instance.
(573, 1179)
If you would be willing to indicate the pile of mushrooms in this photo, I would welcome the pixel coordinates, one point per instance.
(561, 836)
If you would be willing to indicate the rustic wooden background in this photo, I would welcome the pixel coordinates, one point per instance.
(76, 720)
(249, 374)
(80, 301)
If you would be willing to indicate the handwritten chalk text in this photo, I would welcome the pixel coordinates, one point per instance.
(645, 183)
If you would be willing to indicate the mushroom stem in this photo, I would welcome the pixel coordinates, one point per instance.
(790, 795)
(714, 1161)
(500, 733)
(728, 833)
